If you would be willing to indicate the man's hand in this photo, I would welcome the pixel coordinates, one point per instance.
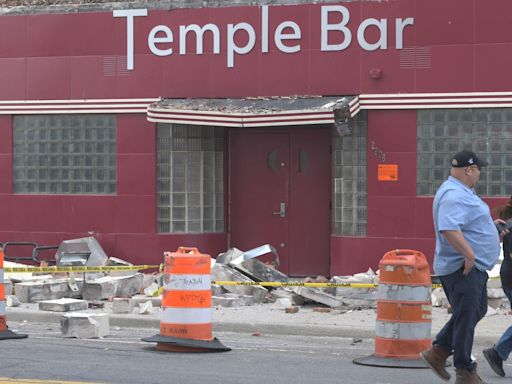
(469, 263)
(458, 242)
(503, 233)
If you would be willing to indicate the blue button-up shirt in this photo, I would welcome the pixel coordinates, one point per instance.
(458, 208)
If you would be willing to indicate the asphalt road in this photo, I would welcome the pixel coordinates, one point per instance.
(46, 357)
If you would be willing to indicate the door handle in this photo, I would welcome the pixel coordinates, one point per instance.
(282, 210)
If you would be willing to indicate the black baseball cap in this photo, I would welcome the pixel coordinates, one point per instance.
(467, 158)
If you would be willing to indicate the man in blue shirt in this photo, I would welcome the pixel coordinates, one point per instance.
(467, 245)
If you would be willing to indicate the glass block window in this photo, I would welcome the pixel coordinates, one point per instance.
(349, 194)
(190, 178)
(444, 132)
(64, 154)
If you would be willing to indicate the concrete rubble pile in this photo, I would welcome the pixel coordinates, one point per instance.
(137, 293)
(236, 265)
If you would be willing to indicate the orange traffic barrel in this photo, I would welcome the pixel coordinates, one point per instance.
(4, 332)
(404, 311)
(186, 325)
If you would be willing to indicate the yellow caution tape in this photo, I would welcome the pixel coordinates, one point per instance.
(79, 268)
(313, 285)
(297, 284)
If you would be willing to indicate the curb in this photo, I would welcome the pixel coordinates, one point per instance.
(140, 321)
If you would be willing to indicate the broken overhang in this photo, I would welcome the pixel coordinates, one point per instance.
(250, 112)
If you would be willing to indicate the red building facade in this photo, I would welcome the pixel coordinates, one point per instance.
(96, 137)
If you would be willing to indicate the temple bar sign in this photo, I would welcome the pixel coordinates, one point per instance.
(335, 36)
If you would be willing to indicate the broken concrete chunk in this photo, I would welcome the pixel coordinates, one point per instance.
(247, 263)
(151, 289)
(63, 305)
(102, 288)
(283, 302)
(95, 304)
(259, 271)
(128, 286)
(221, 301)
(146, 308)
(12, 301)
(319, 296)
(30, 292)
(117, 286)
(439, 298)
(232, 300)
(140, 299)
(222, 272)
(228, 256)
(8, 287)
(240, 300)
(122, 305)
(217, 290)
(84, 325)
(83, 251)
(287, 293)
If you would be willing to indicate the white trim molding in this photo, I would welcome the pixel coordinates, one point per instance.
(430, 101)
(40, 107)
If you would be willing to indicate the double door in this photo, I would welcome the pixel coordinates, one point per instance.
(279, 194)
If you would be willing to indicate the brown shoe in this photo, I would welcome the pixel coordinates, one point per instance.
(466, 376)
(435, 358)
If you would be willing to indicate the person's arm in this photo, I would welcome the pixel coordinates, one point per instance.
(458, 242)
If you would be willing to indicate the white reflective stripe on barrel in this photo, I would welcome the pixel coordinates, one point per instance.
(187, 315)
(404, 331)
(182, 282)
(403, 292)
(1, 275)
(2, 308)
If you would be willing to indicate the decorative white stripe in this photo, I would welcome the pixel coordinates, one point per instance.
(394, 292)
(191, 112)
(434, 101)
(194, 122)
(2, 308)
(436, 106)
(187, 316)
(192, 117)
(290, 122)
(26, 107)
(215, 118)
(403, 331)
(179, 282)
(81, 101)
(430, 101)
(433, 95)
(70, 111)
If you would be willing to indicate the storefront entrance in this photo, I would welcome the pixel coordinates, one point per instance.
(279, 194)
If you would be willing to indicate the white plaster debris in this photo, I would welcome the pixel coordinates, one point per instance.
(122, 305)
(63, 305)
(146, 308)
(12, 301)
(85, 325)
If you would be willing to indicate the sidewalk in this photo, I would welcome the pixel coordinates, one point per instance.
(269, 319)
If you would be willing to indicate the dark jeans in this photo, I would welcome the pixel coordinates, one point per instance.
(468, 297)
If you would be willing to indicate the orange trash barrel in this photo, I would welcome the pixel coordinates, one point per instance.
(186, 325)
(404, 311)
(5, 333)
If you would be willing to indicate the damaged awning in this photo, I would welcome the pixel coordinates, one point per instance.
(249, 112)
